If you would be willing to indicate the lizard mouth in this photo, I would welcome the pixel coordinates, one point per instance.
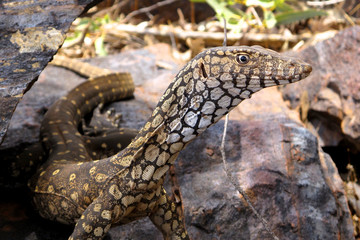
(301, 68)
(292, 73)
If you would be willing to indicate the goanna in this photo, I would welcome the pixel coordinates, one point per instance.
(129, 185)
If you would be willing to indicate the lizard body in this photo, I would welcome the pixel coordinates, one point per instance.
(20, 163)
(98, 142)
(128, 185)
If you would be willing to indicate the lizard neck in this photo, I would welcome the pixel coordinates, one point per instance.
(190, 105)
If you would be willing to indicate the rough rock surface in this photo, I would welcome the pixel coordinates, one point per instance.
(30, 34)
(292, 184)
(290, 181)
(333, 89)
(278, 164)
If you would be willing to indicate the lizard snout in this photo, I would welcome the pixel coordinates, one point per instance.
(306, 69)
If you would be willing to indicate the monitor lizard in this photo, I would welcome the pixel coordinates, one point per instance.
(129, 185)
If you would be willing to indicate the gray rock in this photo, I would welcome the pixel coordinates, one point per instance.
(30, 34)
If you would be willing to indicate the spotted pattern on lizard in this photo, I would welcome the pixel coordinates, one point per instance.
(129, 185)
(105, 141)
(20, 163)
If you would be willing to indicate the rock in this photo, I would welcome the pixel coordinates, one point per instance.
(353, 194)
(291, 182)
(333, 89)
(30, 35)
(278, 164)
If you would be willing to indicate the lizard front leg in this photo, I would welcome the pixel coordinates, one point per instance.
(94, 222)
(168, 220)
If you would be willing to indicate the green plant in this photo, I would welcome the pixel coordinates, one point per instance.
(274, 12)
(88, 27)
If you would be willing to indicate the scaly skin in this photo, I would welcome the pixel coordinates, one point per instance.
(129, 185)
(20, 163)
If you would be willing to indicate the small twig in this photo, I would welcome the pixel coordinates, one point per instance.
(176, 193)
(173, 41)
(256, 15)
(347, 17)
(225, 35)
(354, 10)
(228, 174)
(164, 31)
(114, 8)
(323, 3)
(192, 14)
(237, 185)
(147, 9)
(181, 21)
(79, 40)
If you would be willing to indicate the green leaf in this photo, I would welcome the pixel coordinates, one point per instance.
(294, 16)
(73, 38)
(100, 46)
(269, 19)
(84, 21)
(223, 10)
(232, 15)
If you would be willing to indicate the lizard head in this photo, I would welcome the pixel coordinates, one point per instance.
(215, 82)
(251, 68)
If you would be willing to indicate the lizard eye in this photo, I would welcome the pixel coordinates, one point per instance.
(242, 59)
